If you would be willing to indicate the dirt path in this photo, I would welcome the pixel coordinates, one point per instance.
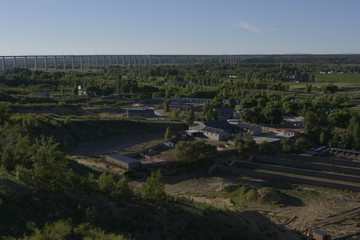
(339, 217)
(122, 143)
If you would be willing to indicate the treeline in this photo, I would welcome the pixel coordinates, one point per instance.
(331, 120)
(202, 81)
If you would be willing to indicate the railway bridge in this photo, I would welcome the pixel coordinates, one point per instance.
(47, 62)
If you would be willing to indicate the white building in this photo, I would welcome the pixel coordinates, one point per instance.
(122, 161)
(215, 133)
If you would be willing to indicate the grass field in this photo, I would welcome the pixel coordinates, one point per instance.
(338, 78)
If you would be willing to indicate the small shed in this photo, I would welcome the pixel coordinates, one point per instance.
(169, 144)
(319, 234)
(122, 161)
(140, 112)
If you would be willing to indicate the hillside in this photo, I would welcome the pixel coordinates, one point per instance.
(24, 207)
(72, 132)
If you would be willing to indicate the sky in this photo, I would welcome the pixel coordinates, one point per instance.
(38, 27)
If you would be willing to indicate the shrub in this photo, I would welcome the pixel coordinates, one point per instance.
(153, 189)
(106, 182)
(192, 152)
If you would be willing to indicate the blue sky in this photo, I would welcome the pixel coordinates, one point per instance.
(179, 26)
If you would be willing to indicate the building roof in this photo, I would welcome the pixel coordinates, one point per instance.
(281, 126)
(135, 110)
(212, 130)
(225, 109)
(218, 124)
(248, 126)
(122, 158)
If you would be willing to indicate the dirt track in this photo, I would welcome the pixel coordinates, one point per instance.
(339, 217)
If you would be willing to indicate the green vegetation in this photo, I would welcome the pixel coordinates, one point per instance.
(246, 146)
(153, 189)
(190, 118)
(244, 194)
(339, 78)
(65, 230)
(168, 133)
(44, 195)
(194, 153)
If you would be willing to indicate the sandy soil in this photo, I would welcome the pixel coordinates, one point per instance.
(334, 211)
(97, 164)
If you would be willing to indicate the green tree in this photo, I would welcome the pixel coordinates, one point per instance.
(167, 105)
(287, 145)
(119, 85)
(154, 189)
(246, 146)
(5, 112)
(324, 138)
(308, 88)
(330, 88)
(315, 123)
(301, 145)
(121, 190)
(340, 118)
(211, 115)
(190, 117)
(273, 114)
(190, 153)
(176, 113)
(353, 130)
(106, 182)
(208, 112)
(168, 133)
(265, 148)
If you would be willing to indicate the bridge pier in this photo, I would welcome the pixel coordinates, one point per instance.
(36, 65)
(64, 62)
(72, 62)
(46, 63)
(81, 62)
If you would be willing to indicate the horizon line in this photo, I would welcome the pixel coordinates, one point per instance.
(255, 54)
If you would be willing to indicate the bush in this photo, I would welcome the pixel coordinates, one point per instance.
(287, 145)
(190, 153)
(106, 182)
(301, 145)
(246, 146)
(265, 148)
(121, 190)
(65, 230)
(153, 189)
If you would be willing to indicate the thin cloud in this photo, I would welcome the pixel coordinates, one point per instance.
(248, 26)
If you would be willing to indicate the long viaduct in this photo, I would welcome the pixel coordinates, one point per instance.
(97, 61)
